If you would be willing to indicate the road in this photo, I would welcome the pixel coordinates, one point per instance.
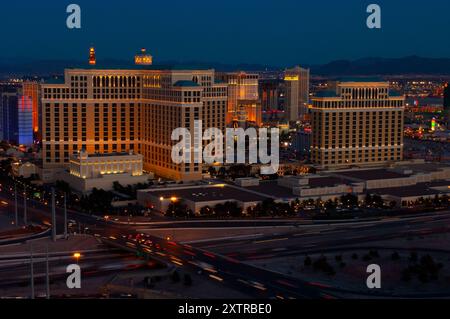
(256, 282)
(224, 262)
(310, 239)
(16, 272)
(251, 280)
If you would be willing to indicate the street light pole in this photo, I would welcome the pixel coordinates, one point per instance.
(47, 276)
(31, 271)
(16, 210)
(25, 216)
(53, 216)
(65, 216)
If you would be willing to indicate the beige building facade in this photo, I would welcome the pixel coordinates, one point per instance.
(359, 122)
(109, 111)
(297, 93)
(244, 105)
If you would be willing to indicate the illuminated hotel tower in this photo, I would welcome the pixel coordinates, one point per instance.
(33, 91)
(359, 122)
(16, 115)
(244, 106)
(105, 111)
(297, 93)
(92, 59)
(25, 121)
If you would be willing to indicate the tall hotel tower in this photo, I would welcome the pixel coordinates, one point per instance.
(112, 111)
(244, 106)
(32, 90)
(359, 122)
(297, 93)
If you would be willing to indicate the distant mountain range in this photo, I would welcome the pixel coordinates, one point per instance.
(383, 66)
(367, 66)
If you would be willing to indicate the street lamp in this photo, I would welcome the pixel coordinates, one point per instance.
(77, 256)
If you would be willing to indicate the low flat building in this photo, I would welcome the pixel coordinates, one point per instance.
(401, 175)
(403, 183)
(197, 197)
(25, 170)
(409, 195)
(307, 187)
(102, 170)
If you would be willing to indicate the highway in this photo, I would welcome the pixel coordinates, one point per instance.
(313, 239)
(226, 261)
(16, 271)
(254, 281)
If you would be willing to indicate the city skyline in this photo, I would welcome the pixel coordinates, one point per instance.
(261, 172)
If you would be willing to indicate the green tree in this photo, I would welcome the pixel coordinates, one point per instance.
(349, 200)
(206, 211)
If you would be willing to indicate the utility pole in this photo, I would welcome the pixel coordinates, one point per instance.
(47, 276)
(53, 216)
(16, 210)
(65, 216)
(31, 271)
(25, 217)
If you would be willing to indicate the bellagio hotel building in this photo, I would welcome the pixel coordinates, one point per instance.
(114, 111)
(357, 122)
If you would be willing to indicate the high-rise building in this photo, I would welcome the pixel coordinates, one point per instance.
(269, 93)
(297, 93)
(358, 122)
(33, 91)
(9, 102)
(25, 120)
(244, 106)
(109, 111)
(16, 115)
(301, 142)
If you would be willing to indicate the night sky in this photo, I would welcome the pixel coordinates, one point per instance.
(277, 33)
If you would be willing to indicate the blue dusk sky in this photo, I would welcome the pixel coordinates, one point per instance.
(281, 32)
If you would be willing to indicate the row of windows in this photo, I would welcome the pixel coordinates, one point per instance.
(343, 104)
(116, 81)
